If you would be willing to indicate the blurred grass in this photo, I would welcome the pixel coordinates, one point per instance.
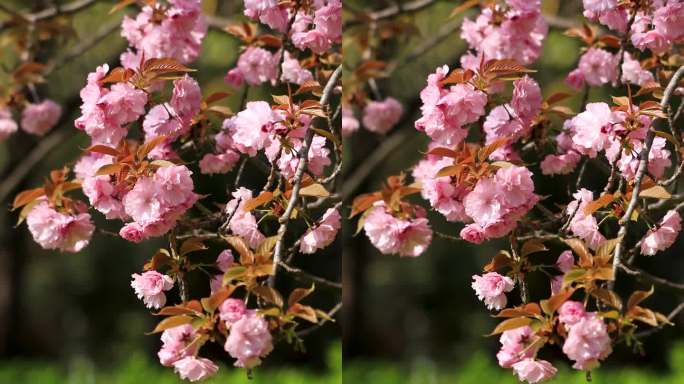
(139, 369)
(481, 369)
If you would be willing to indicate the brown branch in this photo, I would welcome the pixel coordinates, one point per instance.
(47, 13)
(641, 171)
(307, 277)
(646, 278)
(299, 173)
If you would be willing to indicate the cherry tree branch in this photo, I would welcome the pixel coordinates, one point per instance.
(678, 309)
(47, 13)
(308, 277)
(647, 278)
(299, 173)
(641, 171)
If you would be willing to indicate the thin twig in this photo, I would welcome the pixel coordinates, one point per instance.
(670, 317)
(313, 328)
(647, 278)
(299, 173)
(641, 171)
(308, 277)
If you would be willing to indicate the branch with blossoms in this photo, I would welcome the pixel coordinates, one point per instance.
(154, 136)
(491, 142)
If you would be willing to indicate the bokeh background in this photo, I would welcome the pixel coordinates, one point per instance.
(418, 320)
(74, 317)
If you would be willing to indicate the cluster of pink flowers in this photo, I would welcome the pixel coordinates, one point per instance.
(350, 123)
(323, 234)
(249, 338)
(661, 29)
(156, 202)
(39, 118)
(258, 127)
(587, 341)
(596, 67)
(320, 32)
(397, 235)
(497, 203)
(445, 111)
(513, 32)
(36, 119)
(255, 66)
(381, 116)
(51, 229)
(177, 34)
(173, 119)
(178, 352)
(106, 111)
(225, 156)
(663, 236)
(582, 224)
(224, 261)
(150, 287)
(564, 263)
(243, 223)
(518, 352)
(491, 288)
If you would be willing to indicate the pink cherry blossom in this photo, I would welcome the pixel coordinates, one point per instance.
(527, 98)
(350, 123)
(322, 234)
(669, 20)
(515, 346)
(257, 65)
(587, 343)
(175, 32)
(571, 312)
(391, 235)
(599, 5)
(598, 66)
(7, 125)
(632, 71)
(382, 116)
(225, 260)
(243, 223)
(575, 79)
(150, 287)
(252, 126)
(232, 310)
(562, 164)
(440, 192)
(175, 341)
(293, 71)
(288, 161)
(565, 261)
(663, 236)
(446, 111)
(249, 340)
(556, 284)
(104, 112)
(55, 230)
(195, 368)
(38, 119)
(221, 163)
(591, 128)
(268, 12)
(583, 225)
(534, 371)
(491, 288)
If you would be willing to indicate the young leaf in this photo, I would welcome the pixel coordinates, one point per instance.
(171, 322)
(513, 323)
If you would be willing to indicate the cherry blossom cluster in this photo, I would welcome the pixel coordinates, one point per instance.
(36, 119)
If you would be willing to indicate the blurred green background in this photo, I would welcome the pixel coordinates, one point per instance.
(418, 319)
(74, 317)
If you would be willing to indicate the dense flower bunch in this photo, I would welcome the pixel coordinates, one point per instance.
(149, 124)
(490, 142)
